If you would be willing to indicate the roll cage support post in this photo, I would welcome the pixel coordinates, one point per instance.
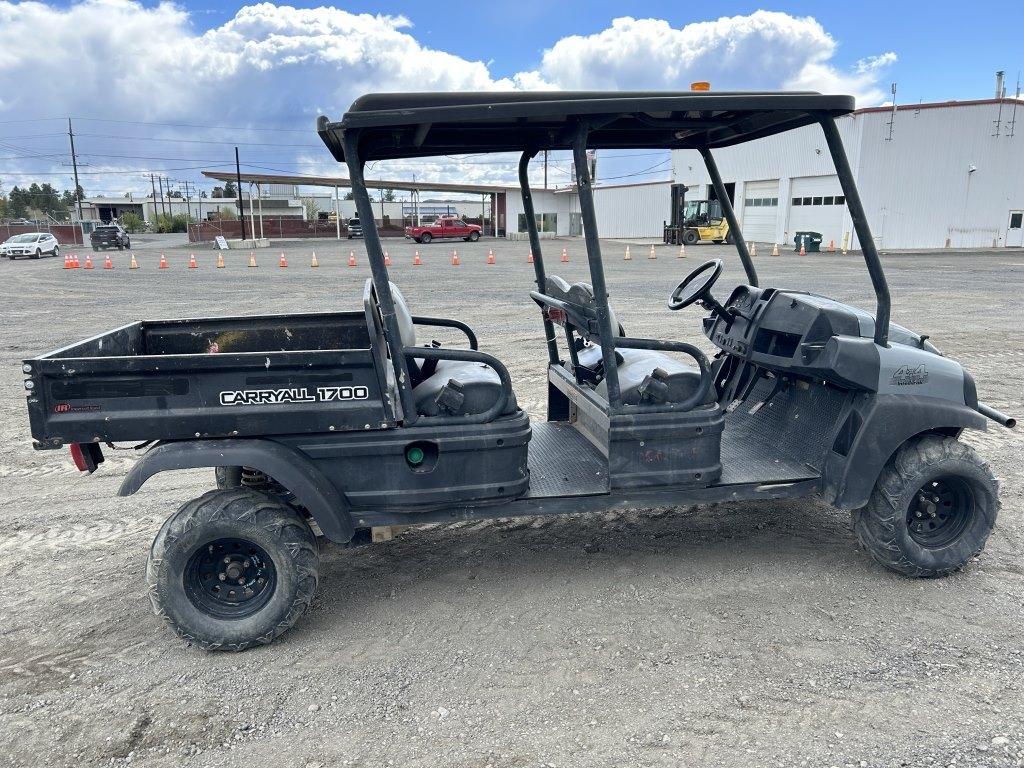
(860, 225)
(589, 215)
(381, 282)
(538, 259)
(730, 215)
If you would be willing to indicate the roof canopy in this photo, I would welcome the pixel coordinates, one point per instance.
(397, 125)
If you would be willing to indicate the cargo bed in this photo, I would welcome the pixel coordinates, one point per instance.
(236, 376)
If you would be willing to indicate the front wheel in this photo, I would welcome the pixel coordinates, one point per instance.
(232, 569)
(56, 251)
(426, 237)
(931, 510)
(473, 237)
(690, 237)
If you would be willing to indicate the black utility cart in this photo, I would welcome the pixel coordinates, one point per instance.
(337, 423)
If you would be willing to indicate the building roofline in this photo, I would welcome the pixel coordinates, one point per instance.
(939, 105)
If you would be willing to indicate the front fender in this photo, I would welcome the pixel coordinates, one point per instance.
(887, 421)
(286, 465)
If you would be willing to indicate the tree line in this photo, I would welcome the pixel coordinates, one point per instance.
(38, 200)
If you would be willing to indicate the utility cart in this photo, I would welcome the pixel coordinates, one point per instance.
(333, 424)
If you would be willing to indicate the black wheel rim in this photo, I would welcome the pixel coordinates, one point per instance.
(940, 511)
(230, 578)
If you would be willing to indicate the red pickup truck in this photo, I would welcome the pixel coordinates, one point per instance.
(445, 228)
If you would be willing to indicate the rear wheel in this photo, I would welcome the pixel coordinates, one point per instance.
(690, 237)
(426, 237)
(931, 510)
(232, 569)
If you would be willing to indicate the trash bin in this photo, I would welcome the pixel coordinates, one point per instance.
(811, 242)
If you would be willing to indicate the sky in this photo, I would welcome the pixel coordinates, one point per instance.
(171, 88)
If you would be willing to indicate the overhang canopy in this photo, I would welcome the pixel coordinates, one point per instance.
(402, 125)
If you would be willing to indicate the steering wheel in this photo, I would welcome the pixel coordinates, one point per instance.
(697, 286)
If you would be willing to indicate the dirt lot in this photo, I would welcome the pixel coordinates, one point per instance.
(726, 636)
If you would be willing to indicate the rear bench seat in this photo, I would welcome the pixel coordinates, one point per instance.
(671, 380)
(453, 387)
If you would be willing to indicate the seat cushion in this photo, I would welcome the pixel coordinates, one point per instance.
(680, 380)
(478, 384)
(590, 356)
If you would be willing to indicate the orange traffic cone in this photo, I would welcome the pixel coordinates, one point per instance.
(88, 261)
(351, 258)
(565, 256)
(803, 251)
(282, 262)
(107, 263)
(652, 254)
(313, 262)
(133, 264)
(455, 259)
(252, 259)
(831, 246)
(192, 261)
(220, 261)
(74, 261)
(416, 261)
(163, 261)
(68, 263)
(387, 259)
(775, 249)
(490, 256)
(682, 251)
(628, 256)
(529, 257)
(753, 250)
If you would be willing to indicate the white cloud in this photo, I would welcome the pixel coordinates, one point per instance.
(279, 66)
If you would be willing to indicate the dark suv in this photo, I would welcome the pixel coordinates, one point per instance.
(355, 229)
(110, 236)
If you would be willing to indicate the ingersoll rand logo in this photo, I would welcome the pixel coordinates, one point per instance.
(292, 395)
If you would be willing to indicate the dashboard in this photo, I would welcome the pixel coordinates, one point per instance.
(792, 331)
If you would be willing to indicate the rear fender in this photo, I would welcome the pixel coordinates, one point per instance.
(286, 465)
(886, 422)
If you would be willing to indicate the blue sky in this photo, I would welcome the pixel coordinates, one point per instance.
(169, 89)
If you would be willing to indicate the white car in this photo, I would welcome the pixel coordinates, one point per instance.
(31, 244)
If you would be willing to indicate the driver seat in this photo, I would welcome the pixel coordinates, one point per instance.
(434, 381)
(646, 376)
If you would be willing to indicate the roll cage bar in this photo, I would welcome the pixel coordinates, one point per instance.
(388, 126)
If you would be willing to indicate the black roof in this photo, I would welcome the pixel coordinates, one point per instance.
(396, 125)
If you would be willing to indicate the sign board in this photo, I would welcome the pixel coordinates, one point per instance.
(222, 244)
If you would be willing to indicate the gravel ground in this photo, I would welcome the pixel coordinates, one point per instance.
(736, 635)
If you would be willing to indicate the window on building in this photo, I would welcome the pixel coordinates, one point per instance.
(840, 200)
(807, 201)
(827, 200)
(1016, 219)
(816, 201)
(798, 201)
(775, 201)
(546, 222)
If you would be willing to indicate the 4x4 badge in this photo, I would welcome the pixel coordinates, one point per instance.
(907, 375)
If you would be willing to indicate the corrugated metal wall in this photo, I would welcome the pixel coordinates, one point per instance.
(633, 211)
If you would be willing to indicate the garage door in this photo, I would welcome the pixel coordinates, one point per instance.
(817, 205)
(760, 211)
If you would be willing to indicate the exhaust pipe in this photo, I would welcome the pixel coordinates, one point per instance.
(1000, 418)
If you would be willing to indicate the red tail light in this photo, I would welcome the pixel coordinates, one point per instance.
(87, 456)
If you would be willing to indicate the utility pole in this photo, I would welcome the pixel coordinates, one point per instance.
(152, 184)
(241, 210)
(74, 165)
(545, 169)
(163, 208)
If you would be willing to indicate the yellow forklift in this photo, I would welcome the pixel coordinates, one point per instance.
(695, 220)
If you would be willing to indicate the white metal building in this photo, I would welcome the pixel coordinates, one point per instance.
(623, 211)
(930, 176)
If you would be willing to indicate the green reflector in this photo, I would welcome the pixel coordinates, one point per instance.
(414, 455)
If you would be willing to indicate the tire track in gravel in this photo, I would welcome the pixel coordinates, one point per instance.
(80, 535)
